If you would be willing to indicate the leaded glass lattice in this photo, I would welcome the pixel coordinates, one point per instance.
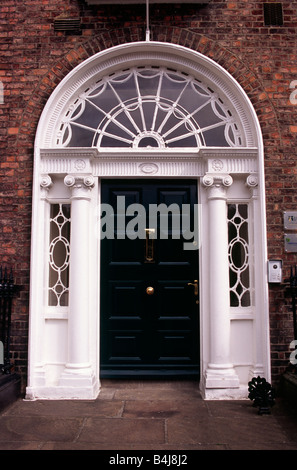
(149, 107)
(239, 257)
(59, 254)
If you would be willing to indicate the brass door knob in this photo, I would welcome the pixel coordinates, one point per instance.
(150, 290)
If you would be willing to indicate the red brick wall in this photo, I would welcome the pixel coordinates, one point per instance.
(34, 58)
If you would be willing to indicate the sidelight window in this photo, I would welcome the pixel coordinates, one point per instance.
(239, 256)
(59, 255)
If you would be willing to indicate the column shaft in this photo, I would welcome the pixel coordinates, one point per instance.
(219, 282)
(78, 376)
(220, 372)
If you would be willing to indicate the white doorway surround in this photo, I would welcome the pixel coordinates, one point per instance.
(217, 142)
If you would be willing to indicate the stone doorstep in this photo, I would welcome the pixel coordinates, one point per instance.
(10, 389)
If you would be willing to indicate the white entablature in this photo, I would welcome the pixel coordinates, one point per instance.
(148, 162)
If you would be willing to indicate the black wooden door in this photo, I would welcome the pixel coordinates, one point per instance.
(149, 312)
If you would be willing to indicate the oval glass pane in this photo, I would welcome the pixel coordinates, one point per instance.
(238, 255)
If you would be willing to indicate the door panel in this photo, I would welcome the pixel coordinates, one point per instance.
(144, 334)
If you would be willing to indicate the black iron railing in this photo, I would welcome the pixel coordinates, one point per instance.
(7, 289)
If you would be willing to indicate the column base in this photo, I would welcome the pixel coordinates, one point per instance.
(240, 393)
(220, 376)
(39, 375)
(63, 393)
(39, 380)
(71, 386)
(72, 383)
(78, 381)
(222, 383)
(258, 370)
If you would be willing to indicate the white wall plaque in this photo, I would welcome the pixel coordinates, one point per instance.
(290, 220)
(291, 242)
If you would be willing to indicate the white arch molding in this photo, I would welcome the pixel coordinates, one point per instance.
(63, 342)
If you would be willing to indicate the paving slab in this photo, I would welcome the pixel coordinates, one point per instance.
(257, 433)
(192, 431)
(157, 394)
(67, 408)
(165, 408)
(123, 431)
(38, 428)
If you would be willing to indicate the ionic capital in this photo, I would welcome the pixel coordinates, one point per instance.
(80, 185)
(45, 185)
(217, 185)
(252, 181)
(46, 182)
(210, 180)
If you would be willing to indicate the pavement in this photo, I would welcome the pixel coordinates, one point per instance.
(158, 416)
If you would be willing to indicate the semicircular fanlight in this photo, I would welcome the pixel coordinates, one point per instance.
(148, 107)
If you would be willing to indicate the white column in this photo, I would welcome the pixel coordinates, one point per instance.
(220, 372)
(78, 373)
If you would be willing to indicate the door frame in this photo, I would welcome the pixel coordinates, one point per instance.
(71, 175)
(196, 253)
